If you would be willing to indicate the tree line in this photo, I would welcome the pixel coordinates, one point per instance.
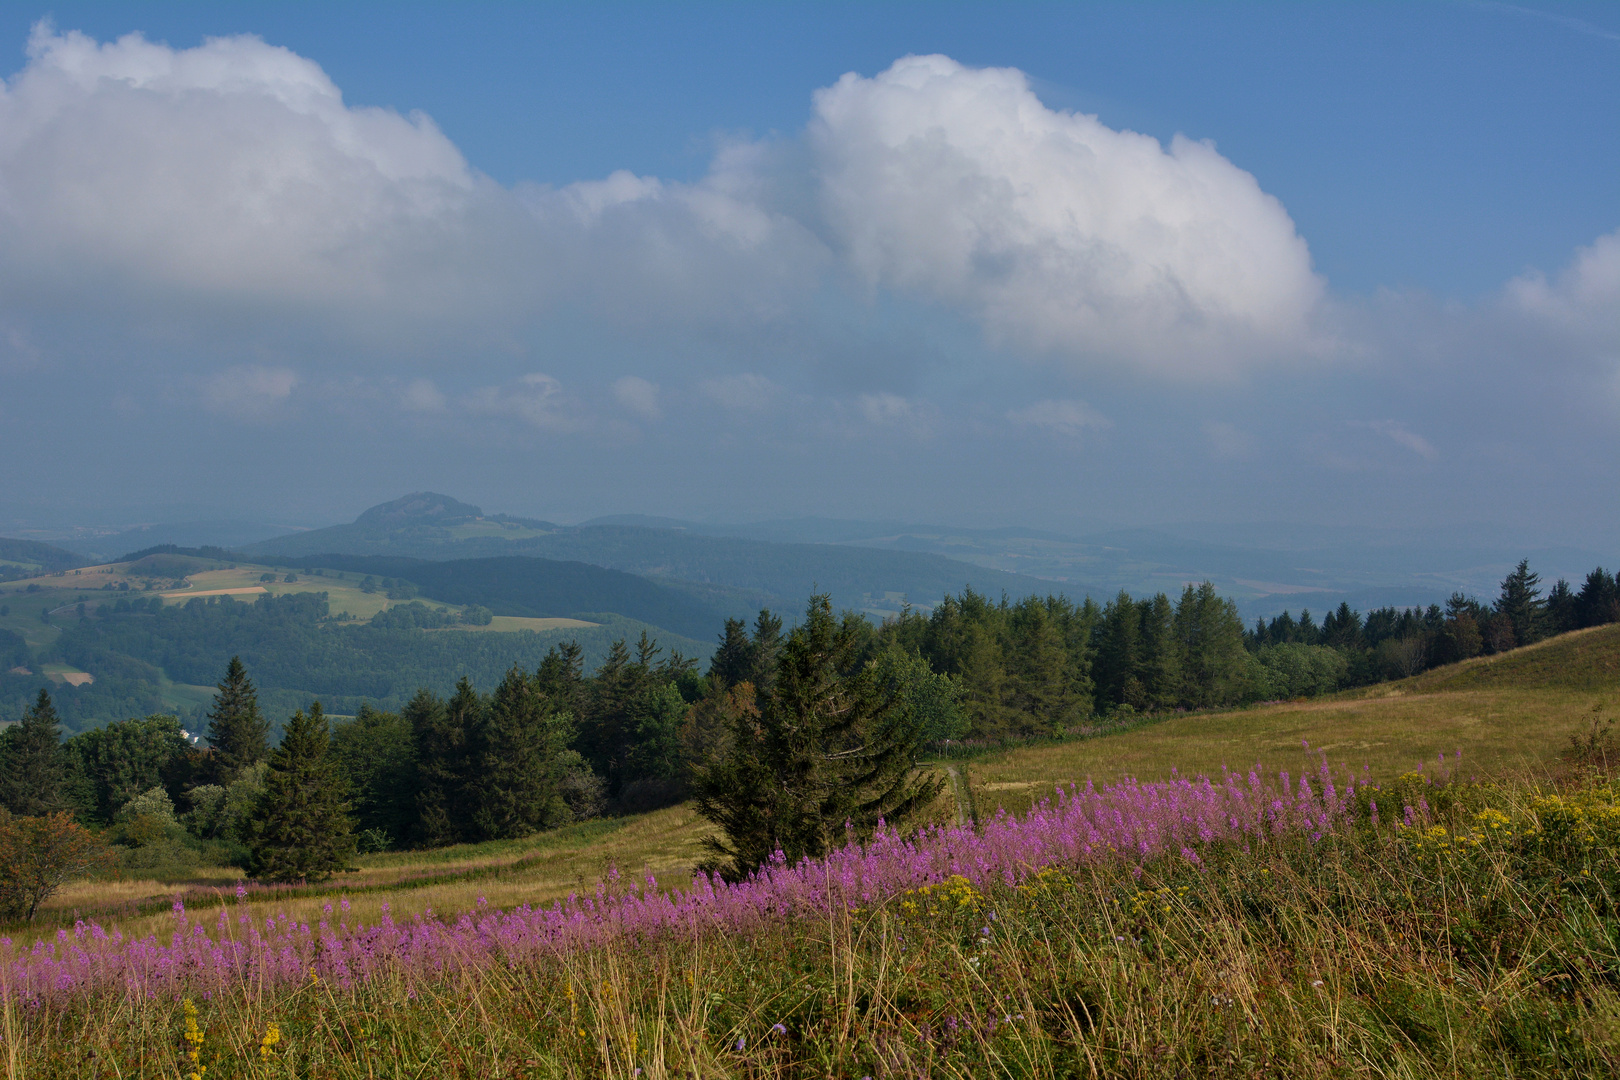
(544, 747)
(785, 737)
(1393, 643)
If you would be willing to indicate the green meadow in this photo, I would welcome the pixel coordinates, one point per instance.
(1486, 942)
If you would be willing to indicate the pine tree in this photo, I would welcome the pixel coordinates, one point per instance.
(1117, 654)
(733, 661)
(237, 731)
(1563, 610)
(1341, 629)
(1161, 663)
(443, 736)
(1041, 692)
(301, 827)
(767, 649)
(1599, 599)
(517, 746)
(32, 766)
(561, 677)
(1209, 638)
(1522, 605)
(832, 747)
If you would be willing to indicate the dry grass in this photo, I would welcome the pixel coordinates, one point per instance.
(1370, 954)
(1502, 712)
(536, 870)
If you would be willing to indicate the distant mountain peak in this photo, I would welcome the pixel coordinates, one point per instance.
(420, 508)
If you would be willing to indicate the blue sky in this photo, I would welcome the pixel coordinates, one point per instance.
(1392, 323)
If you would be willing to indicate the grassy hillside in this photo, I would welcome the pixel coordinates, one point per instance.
(20, 559)
(1478, 944)
(1504, 711)
(1537, 697)
(536, 588)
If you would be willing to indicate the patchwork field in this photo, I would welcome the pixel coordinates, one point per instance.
(178, 579)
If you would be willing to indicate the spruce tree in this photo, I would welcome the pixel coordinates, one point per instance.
(237, 731)
(562, 676)
(1209, 639)
(1119, 654)
(32, 769)
(767, 648)
(832, 747)
(1041, 693)
(1160, 665)
(733, 661)
(517, 748)
(1598, 601)
(301, 827)
(1522, 605)
(1563, 611)
(443, 736)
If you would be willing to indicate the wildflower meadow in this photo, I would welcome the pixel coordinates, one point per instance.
(1244, 925)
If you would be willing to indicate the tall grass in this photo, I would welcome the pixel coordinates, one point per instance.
(1477, 934)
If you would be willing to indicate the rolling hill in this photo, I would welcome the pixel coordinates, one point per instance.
(730, 574)
(536, 588)
(21, 559)
(1515, 710)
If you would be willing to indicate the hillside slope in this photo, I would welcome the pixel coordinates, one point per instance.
(1510, 711)
(21, 559)
(532, 587)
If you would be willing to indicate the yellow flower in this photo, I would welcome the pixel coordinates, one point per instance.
(272, 1036)
(194, 1040)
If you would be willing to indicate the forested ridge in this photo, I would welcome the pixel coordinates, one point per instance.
(295, 649)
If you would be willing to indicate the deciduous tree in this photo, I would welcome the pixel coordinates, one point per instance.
(38, 855)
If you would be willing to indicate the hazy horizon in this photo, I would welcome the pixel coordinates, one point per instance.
(1049, 267)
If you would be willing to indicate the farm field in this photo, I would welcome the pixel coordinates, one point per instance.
(512, 623)
(178, 579)
(175, 578)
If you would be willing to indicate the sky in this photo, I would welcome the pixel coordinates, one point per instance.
(1068, 266)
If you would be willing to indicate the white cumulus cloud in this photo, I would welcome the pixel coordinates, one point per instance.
(232, 167)
(1583, 298)
(1059, 232)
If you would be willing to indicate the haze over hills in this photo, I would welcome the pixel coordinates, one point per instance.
(872, 565)
(735, 575)
(700, 572)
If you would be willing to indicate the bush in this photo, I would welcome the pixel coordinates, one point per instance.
(38, 855)
(1293, 671)
(220, 813)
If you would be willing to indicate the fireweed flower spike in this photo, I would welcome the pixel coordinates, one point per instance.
(1127, 823)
